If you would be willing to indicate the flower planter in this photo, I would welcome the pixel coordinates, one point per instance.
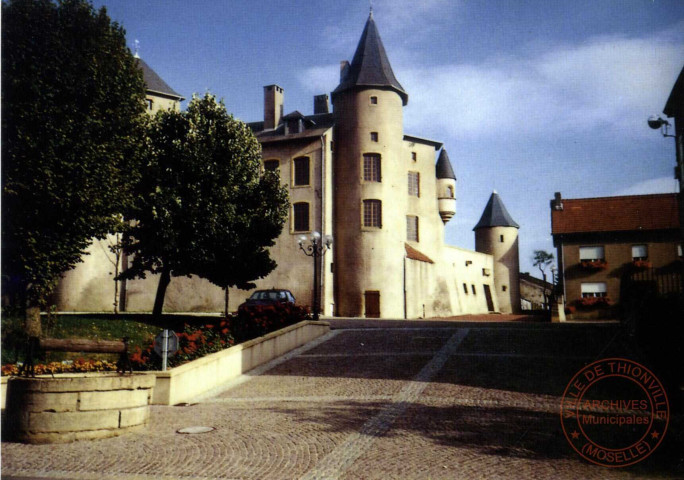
(641, 264)
(589, 303)
(68, 407)
(594, 265)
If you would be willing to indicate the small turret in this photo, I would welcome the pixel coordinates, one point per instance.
(446, 187)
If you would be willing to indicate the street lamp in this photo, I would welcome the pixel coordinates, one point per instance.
(315, 247)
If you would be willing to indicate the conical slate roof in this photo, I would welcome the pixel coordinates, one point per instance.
(495, 214)
(370, 66)
(154, 82)
(443, 167)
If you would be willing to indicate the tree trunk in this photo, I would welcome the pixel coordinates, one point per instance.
(226, 307)
(164, 280)
(32, 320)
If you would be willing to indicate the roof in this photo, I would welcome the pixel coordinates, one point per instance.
(414, 254)
(318, 124)
(675, 104)
(526, 277)
(424, 141)
(443, 167)
(616, 214)
(495, 214)
(370, 66)
(154, 82)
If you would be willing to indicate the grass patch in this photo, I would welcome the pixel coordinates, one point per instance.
(75, 326)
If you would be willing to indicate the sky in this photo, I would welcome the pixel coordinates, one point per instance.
(528, 97)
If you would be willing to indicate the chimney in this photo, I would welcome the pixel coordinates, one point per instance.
(557, 202)
(321, 104)
(273, 106)
(344, 70)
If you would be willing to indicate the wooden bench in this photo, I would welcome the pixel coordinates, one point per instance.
(86, 345)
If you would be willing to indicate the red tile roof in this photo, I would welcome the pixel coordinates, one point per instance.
(613, 214)
(414, 254)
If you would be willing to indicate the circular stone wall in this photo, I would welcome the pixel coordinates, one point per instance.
(72, 407)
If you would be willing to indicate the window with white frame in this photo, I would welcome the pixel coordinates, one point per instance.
(412, 228)
(593, 289)
(592, 253)
(639, 252)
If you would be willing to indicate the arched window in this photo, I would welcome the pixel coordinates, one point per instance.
(272, 165)
(301, 171)
(372, 213)
(450, 191)
(300, 213)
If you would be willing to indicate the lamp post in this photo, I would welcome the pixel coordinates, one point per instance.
(315, 247)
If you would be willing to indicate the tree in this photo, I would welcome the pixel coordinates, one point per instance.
(73, 109)
(204, 208)
(542, 260)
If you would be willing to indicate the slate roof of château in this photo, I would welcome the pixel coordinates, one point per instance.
(616, 214)
(495, 215)
(443, 167)
(154, 82)
(370, 66)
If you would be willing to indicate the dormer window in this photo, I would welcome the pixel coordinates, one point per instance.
(293, 126)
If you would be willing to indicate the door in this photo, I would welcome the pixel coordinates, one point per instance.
(488, 296)
(372, 303)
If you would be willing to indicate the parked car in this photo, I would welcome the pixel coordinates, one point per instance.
(267, 297)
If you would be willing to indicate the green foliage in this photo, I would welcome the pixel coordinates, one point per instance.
(542, 259)
(203, 206)
(73, 112)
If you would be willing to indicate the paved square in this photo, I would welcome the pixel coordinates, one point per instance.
(404, 400)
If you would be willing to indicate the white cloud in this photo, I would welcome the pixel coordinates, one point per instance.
(654, 185)
(605, 85)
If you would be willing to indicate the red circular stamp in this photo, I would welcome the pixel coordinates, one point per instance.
(614, 412)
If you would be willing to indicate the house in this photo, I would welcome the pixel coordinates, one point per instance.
(534, 292)
(384, 195)
(602, 243)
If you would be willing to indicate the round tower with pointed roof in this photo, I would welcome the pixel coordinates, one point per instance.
(370, 187)
(497, 234)
(446, 187)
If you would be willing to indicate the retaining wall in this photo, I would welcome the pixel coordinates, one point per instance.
(195, 378)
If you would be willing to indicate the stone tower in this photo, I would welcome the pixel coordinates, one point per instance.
(497, 234)
(369, 183)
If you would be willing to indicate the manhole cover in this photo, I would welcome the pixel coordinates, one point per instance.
(195, 430)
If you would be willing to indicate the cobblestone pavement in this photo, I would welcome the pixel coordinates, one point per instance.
(374, 400)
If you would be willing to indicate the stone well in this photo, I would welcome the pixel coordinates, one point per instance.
(76, 406)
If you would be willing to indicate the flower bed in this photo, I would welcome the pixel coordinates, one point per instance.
(195, 341)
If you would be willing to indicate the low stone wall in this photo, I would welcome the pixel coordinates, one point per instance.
(182, 384)
(76, 406)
